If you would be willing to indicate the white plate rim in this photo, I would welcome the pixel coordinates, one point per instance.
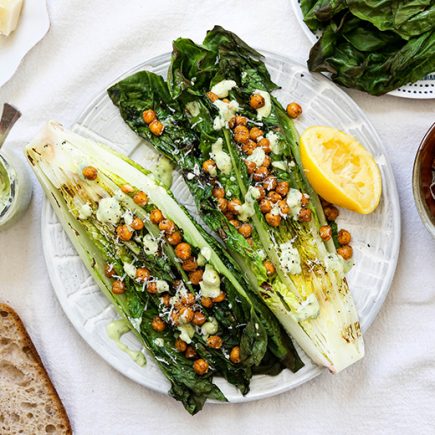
(312, 371)
(405, 91)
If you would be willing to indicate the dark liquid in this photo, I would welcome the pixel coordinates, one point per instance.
(427, 174)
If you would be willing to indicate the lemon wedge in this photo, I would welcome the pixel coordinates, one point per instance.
(340, 169)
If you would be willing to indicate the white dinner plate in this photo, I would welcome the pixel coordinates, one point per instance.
(421, 89)
(32, 27)
(376, 237)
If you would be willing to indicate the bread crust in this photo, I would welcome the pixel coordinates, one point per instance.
(39, 366)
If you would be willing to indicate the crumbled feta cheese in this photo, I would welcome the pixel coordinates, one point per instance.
(222, 88)
(85, 211)
(264, 112)
(275, 145)
(109, 210)
(257, 156)
(210, 327)
(294, 198)
(150, 244)
(226, 112)
(162, 286)
(210, 284)
(222, 159)
(289, 258)
(186, 332)
(128, 217)
(130, 270)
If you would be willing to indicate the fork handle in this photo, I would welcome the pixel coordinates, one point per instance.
(9, 117)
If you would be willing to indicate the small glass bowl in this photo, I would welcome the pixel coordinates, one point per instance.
(15, 189)
(423, 180)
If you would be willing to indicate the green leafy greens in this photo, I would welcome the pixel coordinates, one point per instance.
(376, 45)
(94, 210)
(297, 276)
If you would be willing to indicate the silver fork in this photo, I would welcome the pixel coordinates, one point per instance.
(9, 117)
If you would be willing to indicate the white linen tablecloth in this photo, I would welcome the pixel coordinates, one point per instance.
(89, 44)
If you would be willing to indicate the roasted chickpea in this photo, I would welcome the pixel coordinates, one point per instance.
(262, 192)
(305, 200)
(90, 173)
(267, 162)
(118, 287)
(325, 232)
(274, 197)
(180, 345)
(256, 101)
(270, 183)
(195, 277)
(345, 251)
(149, 116)
(165, 299)
(250, 241)
(344, 237)
(189, 265)
(245, 230)
(265, 206)
(156, 216)
(209, 166)
(255, 133)
(235, 223)
(140, 198)
(261, 173)
(250, 167)
(294, 110)
(232, 123)
(175, 238)
(241, 120)
(124, 233)
(198, 318)
(273, 219)
(142, 274)
(156, 128)
(222, 204)
(200, 366)
(158, 324)
(234, 205)
(186, 315)
(235, 355)
(214, 341)
(229, 216)
(270, 268)
(167, 226)
(126, 188)
(218, 192)
(282, 188)
(212, 96)
(241, 134)
(331, 212)
(183, 251)
(175, 315)
(249, 147)
(190, 352)
(206, 302)
(137, 224)
(304, 215)
(265, 144)
(188, 299)
(284, 207)
(219, 298)
(225, 100)
(152, 288)
(109, 270)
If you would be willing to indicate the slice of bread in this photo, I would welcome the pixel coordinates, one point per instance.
(29, 403)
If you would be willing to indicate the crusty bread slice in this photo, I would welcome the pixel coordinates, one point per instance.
(29, 404)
